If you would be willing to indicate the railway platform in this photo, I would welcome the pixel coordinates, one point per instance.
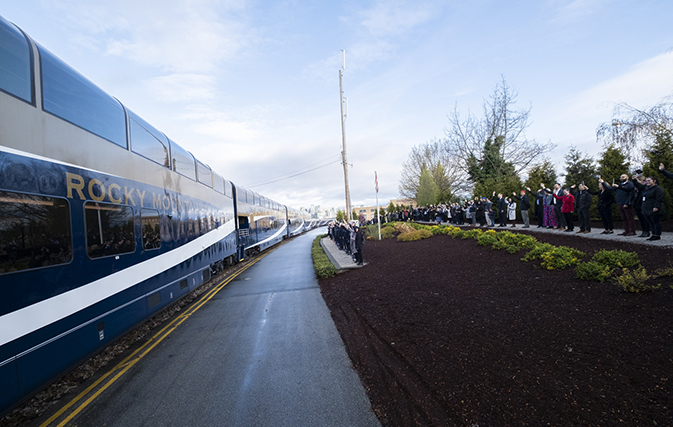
(341, 260)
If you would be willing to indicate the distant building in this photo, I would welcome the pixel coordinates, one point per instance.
(403, 202)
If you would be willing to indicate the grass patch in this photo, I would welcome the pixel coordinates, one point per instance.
(321, 263)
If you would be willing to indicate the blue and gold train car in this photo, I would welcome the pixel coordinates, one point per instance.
(104, 220)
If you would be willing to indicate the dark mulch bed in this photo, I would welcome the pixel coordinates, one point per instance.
(446, 332)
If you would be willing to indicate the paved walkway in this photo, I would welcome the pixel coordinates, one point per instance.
(666, 237)
(341, 260)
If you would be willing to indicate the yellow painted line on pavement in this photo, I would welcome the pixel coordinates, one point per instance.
(141, 352)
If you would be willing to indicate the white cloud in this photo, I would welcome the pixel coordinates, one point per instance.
(182, 87)
(573, 11)
(392, 18)
(575, 120)
(186, 36)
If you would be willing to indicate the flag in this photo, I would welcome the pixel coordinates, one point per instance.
(376, 181)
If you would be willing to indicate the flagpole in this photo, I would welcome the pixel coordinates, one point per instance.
(378, 217)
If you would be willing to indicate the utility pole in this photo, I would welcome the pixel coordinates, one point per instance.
(343, 137)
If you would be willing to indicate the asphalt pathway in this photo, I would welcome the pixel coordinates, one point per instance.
(596, 233)
(263, 352)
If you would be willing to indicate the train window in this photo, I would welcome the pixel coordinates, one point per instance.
(70, 96)
(15, 68)
(149, 219)
(227, 189)
(251, 197)
(34, 232)
(204, 175)
(147, 141)
(218, 183)
(241, 194)
(183, 161)
(109, 229)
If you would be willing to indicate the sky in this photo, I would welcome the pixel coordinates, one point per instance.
(252, 87)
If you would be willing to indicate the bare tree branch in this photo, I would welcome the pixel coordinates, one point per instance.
(465, 139)
(633, 130)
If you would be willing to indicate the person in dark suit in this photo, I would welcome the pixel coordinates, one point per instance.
(605, 201)
(653, 204)
(624, 196)
(539, 208)
(583, 200)
(502, 210)
(524, 205)
(638, 209)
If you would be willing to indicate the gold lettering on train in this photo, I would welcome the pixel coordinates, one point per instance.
(114, 199)
(156, 201)
(128, 195)
(98, 192)
(93, 182)
(75, 182)
(142, 198)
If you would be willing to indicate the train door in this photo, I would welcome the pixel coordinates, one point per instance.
(243, 235)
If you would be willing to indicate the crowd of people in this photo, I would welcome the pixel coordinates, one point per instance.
(638, 196)
(348, 237)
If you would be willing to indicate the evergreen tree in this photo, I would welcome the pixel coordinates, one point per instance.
(442, 181)
(391, 208)
(541, 173)
(611, 166)
(492, 172)
(427, 189)
(580, 168)
(661, 151)
(340, 215)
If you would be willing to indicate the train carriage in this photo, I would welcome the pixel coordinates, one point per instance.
(261, 221)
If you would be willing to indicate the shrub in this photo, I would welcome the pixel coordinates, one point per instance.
(412, 236)
(486, 239)
(421, 226)
(372, 231)
(560, 258)
(634, 280)
(471, 234)
(616, 258)
(593, 270)
(322, 265)
(403, 227)
(499, 244)
(554, 258)
(664, 272)
(537, 251)
(387, 232)
(458, 233)
(452, 230)
(512, 249)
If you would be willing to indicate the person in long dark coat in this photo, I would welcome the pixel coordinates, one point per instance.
(502, 210)
(606, 199)
(480, 213)
(638, 209)
(359, 242)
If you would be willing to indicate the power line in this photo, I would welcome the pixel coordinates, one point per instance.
(333, 159)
